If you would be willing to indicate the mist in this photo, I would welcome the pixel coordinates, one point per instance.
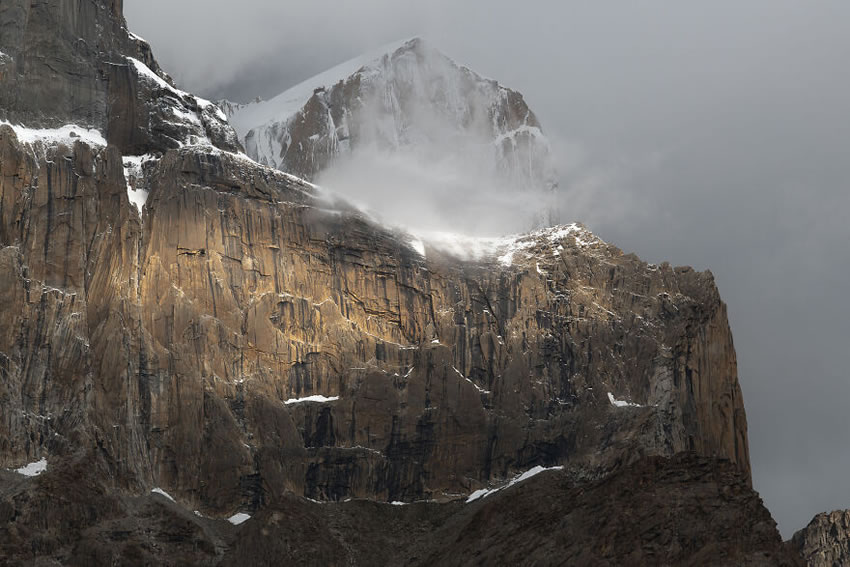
(400, 189)
(713, 135)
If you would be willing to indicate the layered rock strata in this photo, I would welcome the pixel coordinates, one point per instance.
(242, 336)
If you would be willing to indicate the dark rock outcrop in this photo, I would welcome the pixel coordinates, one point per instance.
(825, 542)
(657, 511)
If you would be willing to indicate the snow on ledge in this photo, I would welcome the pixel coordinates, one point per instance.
(237, 519)
(67, 135)
(161, 492)
(621, 403)
(501, 248)
(485, 492)
(33, 469)
(137, 37)
(316, 399)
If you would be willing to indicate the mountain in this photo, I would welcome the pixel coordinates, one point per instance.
(204, 360)
(825, 542)
(406, 99)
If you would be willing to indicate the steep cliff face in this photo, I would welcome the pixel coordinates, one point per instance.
(240, 289)
(75, 62)
(825, 542)
(405, 99)
(242, 335)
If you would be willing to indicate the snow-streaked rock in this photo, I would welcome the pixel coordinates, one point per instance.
(485, 492)
(405, 98)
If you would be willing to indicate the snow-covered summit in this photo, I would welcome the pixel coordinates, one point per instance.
(404, 99)
(246, 117)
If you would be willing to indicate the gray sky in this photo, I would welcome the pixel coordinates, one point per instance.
(715, 135)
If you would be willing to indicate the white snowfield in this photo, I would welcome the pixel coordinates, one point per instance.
(621, 403)
(485, 492)
(67, 135)
(313, 399)
(33, 469)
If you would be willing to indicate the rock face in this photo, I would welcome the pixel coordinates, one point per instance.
(825, 542)
(405, 99)
(246, 340)
(74, 62)
(237, 291)
(681, 511)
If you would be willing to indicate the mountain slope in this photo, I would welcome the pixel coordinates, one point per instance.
(242, 339)
(406, 99)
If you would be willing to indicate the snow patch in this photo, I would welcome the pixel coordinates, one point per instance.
(316, 399)
(67, 135)
(136, 37)
(237, 519)
(33, 469)
(133, 172)
(161, 492)
(485, 492)
(621, 403)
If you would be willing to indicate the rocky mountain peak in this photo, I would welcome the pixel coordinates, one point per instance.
(406, 99)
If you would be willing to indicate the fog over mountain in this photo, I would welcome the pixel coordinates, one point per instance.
(712, 135)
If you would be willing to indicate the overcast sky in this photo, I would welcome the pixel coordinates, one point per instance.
(715, 135)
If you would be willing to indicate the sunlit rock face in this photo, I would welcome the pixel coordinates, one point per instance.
(239, 338)
(409, 113)
(826, 540)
